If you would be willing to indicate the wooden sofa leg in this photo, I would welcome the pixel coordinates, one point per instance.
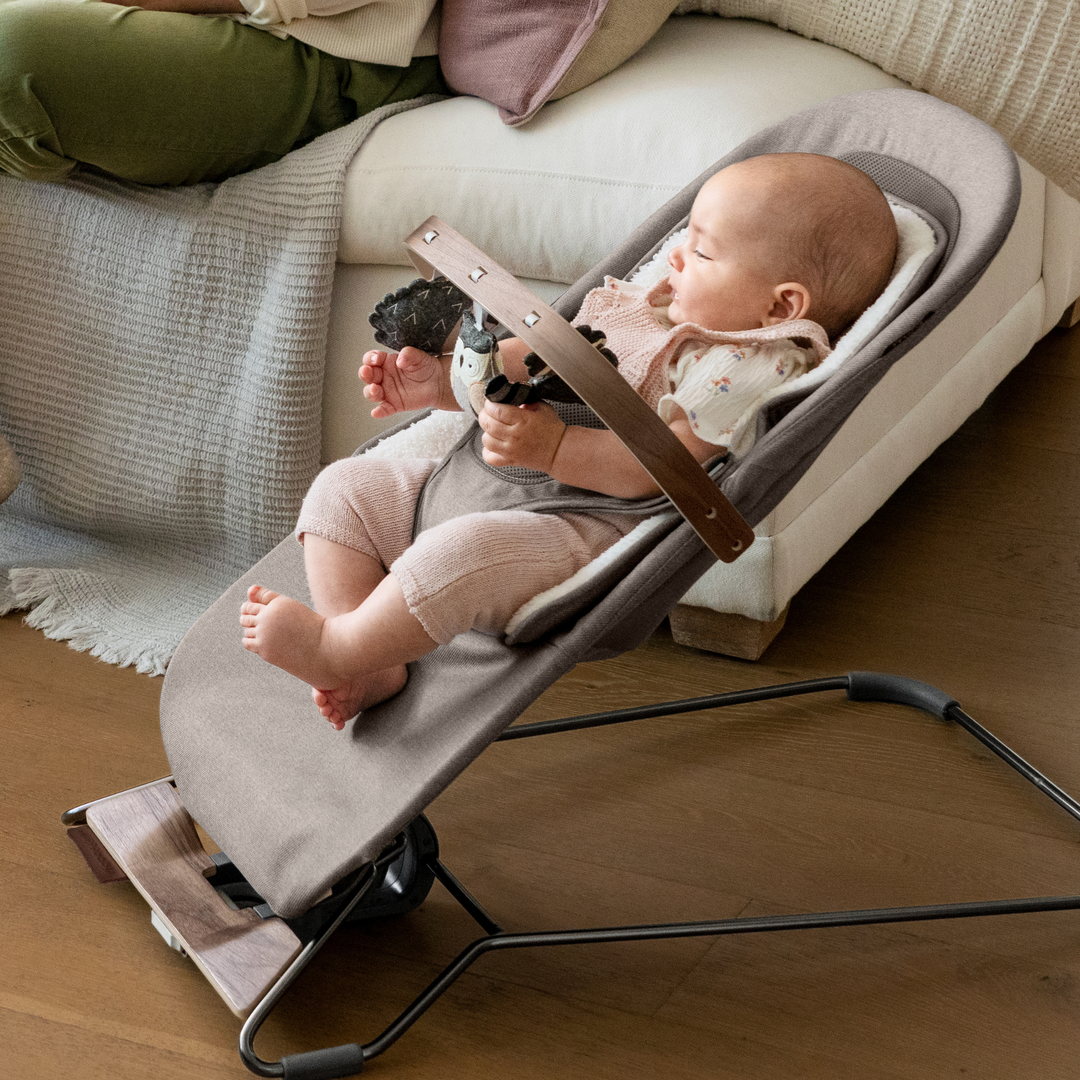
(718, 632)
(1071, 315)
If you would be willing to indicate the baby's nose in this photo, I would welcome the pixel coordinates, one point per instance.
(674, 258)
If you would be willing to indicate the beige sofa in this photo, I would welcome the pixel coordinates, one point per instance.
(547, 200)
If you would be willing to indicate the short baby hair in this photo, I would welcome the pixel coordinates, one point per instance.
(835, 233)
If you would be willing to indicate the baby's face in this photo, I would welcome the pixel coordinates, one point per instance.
(718, 276)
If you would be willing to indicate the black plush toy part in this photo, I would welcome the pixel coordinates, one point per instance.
(544, 385)
(420, 314)
(477, 339)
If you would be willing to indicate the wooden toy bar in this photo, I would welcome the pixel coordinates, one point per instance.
(435, 248)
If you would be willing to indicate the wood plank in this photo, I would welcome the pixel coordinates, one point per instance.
(91, 959)
(724, 633)
(56, 1047)
(102, 865)
(695, 820)
(883, 987)
(152, 838)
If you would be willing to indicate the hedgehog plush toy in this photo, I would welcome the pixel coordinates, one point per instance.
(423, 313)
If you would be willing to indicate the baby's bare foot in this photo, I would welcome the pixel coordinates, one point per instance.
(285, 633)
(341, 703)
(291, 636)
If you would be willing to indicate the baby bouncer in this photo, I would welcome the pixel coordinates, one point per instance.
(318, 827)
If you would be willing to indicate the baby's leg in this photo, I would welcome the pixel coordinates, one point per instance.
(355, 521)
(340, 578)
(353, 660)
(473, 572)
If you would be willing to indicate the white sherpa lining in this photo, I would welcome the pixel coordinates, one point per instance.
(432, 437)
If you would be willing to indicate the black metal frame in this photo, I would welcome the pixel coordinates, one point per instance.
(348, 1060)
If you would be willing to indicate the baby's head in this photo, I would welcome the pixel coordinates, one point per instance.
(783, 236)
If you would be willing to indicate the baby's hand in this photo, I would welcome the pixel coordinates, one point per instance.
(527, 436)
(401, 382)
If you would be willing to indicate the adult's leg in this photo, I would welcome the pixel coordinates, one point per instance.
(167, 98)
(350, 88)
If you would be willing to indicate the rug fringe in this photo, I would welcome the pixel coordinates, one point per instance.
(8, 603)
(58, 619)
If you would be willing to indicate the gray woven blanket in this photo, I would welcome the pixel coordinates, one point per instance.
(161, 364)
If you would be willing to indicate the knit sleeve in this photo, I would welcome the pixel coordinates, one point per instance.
(283, 12)
(274, 12)
(375, 31)
(721, 388)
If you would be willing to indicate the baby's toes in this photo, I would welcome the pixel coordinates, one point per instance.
(257, 594)
(334, 718)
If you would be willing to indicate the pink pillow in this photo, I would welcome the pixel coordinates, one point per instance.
(517, 54)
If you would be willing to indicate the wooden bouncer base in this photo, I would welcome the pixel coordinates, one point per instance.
(151, 838)
(718, 632)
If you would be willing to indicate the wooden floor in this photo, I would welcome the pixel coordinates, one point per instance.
(969, 578)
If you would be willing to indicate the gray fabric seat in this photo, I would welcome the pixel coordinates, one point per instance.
(297, 805)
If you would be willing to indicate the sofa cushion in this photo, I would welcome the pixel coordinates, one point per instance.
(548, 200)
(519, 55)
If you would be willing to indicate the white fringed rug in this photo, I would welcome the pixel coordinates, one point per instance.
(161, 365)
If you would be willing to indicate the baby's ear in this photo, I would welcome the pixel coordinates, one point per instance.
(791, 300)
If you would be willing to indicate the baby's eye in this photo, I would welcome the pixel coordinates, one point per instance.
(701, 254)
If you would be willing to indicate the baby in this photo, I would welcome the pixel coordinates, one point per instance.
(783, 252)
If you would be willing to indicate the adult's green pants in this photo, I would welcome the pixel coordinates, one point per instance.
(166, 98)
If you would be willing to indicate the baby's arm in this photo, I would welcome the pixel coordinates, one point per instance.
(533, 437)
(413, 379)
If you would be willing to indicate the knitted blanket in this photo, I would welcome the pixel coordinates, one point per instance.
(161, 363)
(1014, 65)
